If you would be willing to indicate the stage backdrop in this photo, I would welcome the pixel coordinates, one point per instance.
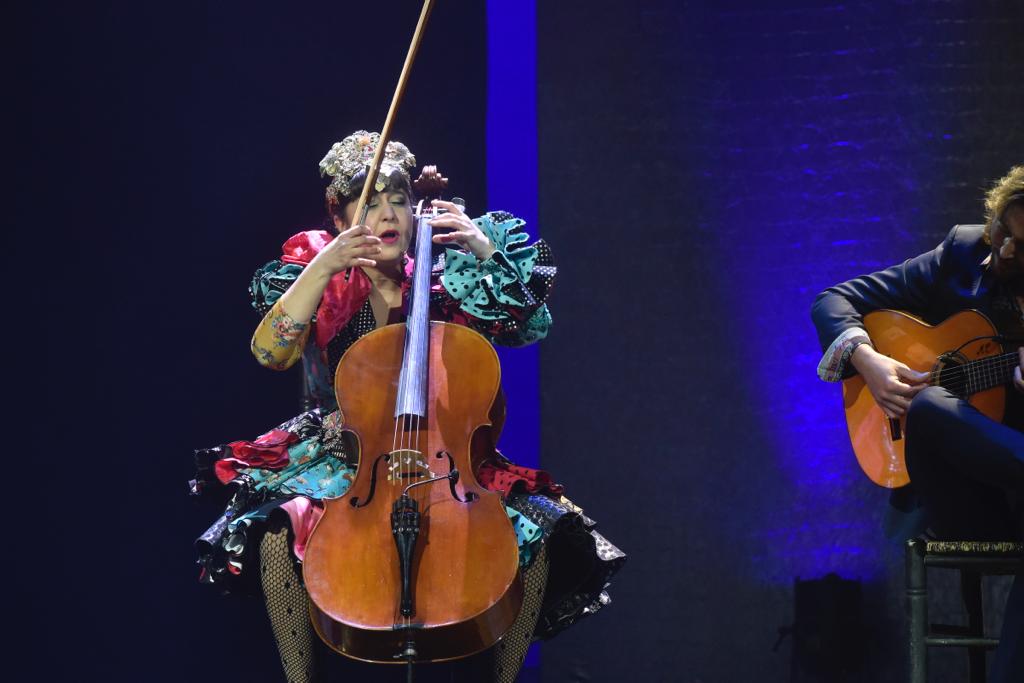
(170, 150)
(705, 170)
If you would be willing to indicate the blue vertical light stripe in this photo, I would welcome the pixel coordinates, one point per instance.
(512, 186)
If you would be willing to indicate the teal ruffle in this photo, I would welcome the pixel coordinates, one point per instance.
(310, 472)
(535, 328)
(482, 289)
(528, 535)
(270, 282)
(316, 474)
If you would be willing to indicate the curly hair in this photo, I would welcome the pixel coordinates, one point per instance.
(1007, 190)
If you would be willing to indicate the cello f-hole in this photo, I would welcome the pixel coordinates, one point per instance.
(452, 480)
(354, 502)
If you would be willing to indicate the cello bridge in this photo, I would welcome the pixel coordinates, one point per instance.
(407, 465)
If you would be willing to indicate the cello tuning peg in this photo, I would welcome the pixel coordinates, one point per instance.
(431, 183)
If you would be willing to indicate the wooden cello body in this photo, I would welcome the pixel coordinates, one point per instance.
(380, 591)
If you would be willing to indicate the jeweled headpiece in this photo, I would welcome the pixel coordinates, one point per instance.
(353, 155)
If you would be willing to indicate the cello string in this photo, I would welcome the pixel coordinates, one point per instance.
(410, 421)
(422, 322)
(402, 451)
(416, 321)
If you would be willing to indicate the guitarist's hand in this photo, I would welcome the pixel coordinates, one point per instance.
(891, 383)
(1018, 381)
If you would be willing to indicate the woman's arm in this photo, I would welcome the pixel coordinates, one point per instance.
(279, 339)
(281, 336)
(300, 301)
(350, 249)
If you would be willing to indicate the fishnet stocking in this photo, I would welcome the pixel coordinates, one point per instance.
(509, 653)
(287, 607)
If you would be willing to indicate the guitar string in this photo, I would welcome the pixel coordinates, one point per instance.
(978, 366)
(990, 370)
(979, 381)
(977, 372)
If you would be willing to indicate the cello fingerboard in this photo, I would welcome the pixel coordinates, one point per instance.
(412, 382)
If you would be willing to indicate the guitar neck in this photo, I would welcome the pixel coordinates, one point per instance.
(977, 375)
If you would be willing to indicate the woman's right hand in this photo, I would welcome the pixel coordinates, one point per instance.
(891, 383)
(351, 248)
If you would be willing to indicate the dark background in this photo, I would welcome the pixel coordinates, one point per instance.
(706, 169)
(703, 170)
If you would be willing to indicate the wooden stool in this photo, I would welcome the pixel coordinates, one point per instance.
(974, 559)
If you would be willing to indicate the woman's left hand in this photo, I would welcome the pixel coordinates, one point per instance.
(1018, 380)
(463, 231)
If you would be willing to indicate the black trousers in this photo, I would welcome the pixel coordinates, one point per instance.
(967, 469)
(969, 472)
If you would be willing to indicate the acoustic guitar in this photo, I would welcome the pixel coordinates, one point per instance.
(961, 354)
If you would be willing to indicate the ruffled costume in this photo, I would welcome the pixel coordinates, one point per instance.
(288, 470)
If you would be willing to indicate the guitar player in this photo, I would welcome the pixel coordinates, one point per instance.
(966, 470)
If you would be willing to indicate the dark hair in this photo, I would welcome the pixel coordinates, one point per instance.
(336, 202)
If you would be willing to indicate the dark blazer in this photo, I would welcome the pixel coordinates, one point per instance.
(932, 286)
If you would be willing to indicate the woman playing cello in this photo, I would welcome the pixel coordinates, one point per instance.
(318, 298)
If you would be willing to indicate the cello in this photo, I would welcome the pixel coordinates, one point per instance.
(417, 561)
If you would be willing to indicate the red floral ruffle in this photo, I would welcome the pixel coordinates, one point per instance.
(268, 452)
(344, 295)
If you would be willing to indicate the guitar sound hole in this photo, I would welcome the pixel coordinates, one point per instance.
(948, 373)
